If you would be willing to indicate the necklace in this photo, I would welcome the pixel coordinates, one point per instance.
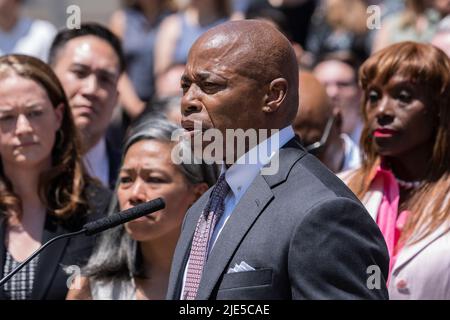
(409, 184)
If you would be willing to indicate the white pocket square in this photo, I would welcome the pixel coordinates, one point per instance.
(242, 267)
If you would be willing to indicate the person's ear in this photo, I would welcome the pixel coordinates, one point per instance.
(199, 189)
(276, 94)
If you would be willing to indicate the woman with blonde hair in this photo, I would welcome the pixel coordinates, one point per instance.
(404, 180)
(44, 188)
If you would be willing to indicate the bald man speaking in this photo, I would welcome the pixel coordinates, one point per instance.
(297, 233)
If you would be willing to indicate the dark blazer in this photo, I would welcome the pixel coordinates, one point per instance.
(50, 277)
(303, 231)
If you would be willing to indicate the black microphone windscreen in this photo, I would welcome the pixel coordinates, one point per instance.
(114, 220)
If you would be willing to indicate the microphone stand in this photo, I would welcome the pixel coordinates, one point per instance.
(34, 254)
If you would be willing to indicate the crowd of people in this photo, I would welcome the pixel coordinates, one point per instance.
(362, 121)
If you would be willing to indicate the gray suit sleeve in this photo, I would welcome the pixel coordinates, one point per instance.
(331, 251)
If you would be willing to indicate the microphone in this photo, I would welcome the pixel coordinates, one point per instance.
(97, 226)
(138, 211)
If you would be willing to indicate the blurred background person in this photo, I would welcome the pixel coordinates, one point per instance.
(179, 31)
(338, 72)
(89, 62)
(336, 26)
(404, 180)
(19, 34)
(136, 25)
(298, 13)
(132, 261)
(417, 22)
(240, 8)
(262, 10)
(441, 38)
(168, 107)
(319, 126)
(168, 82)
(44, 189)
(168, 95)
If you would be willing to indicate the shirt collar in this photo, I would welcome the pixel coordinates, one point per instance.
(96, 161)
(98, 151)
(242, 173)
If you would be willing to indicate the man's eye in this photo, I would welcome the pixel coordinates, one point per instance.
(210, 87)
(35, 113)
(6, 117)
(80, 73)
(105, 79)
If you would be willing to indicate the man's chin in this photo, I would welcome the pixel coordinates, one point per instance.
(83, 122)
(207, 151)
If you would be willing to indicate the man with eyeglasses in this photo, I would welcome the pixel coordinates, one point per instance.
(319, 126)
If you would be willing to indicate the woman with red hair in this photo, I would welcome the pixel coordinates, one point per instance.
(404, 180)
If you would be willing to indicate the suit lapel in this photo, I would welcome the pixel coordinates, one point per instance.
(182, 250)
(244, 215)
(49, 259)
(409, 252)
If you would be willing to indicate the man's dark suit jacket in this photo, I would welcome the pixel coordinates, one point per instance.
(302, 229)
(50, 277)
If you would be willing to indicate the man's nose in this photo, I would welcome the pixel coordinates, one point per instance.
(332, 90)
(384, 112)
(23, 125)
(190, 102)
(90, 84)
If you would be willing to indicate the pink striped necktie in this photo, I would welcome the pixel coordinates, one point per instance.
(202, 237)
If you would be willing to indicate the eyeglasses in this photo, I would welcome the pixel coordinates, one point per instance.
(316, 146)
